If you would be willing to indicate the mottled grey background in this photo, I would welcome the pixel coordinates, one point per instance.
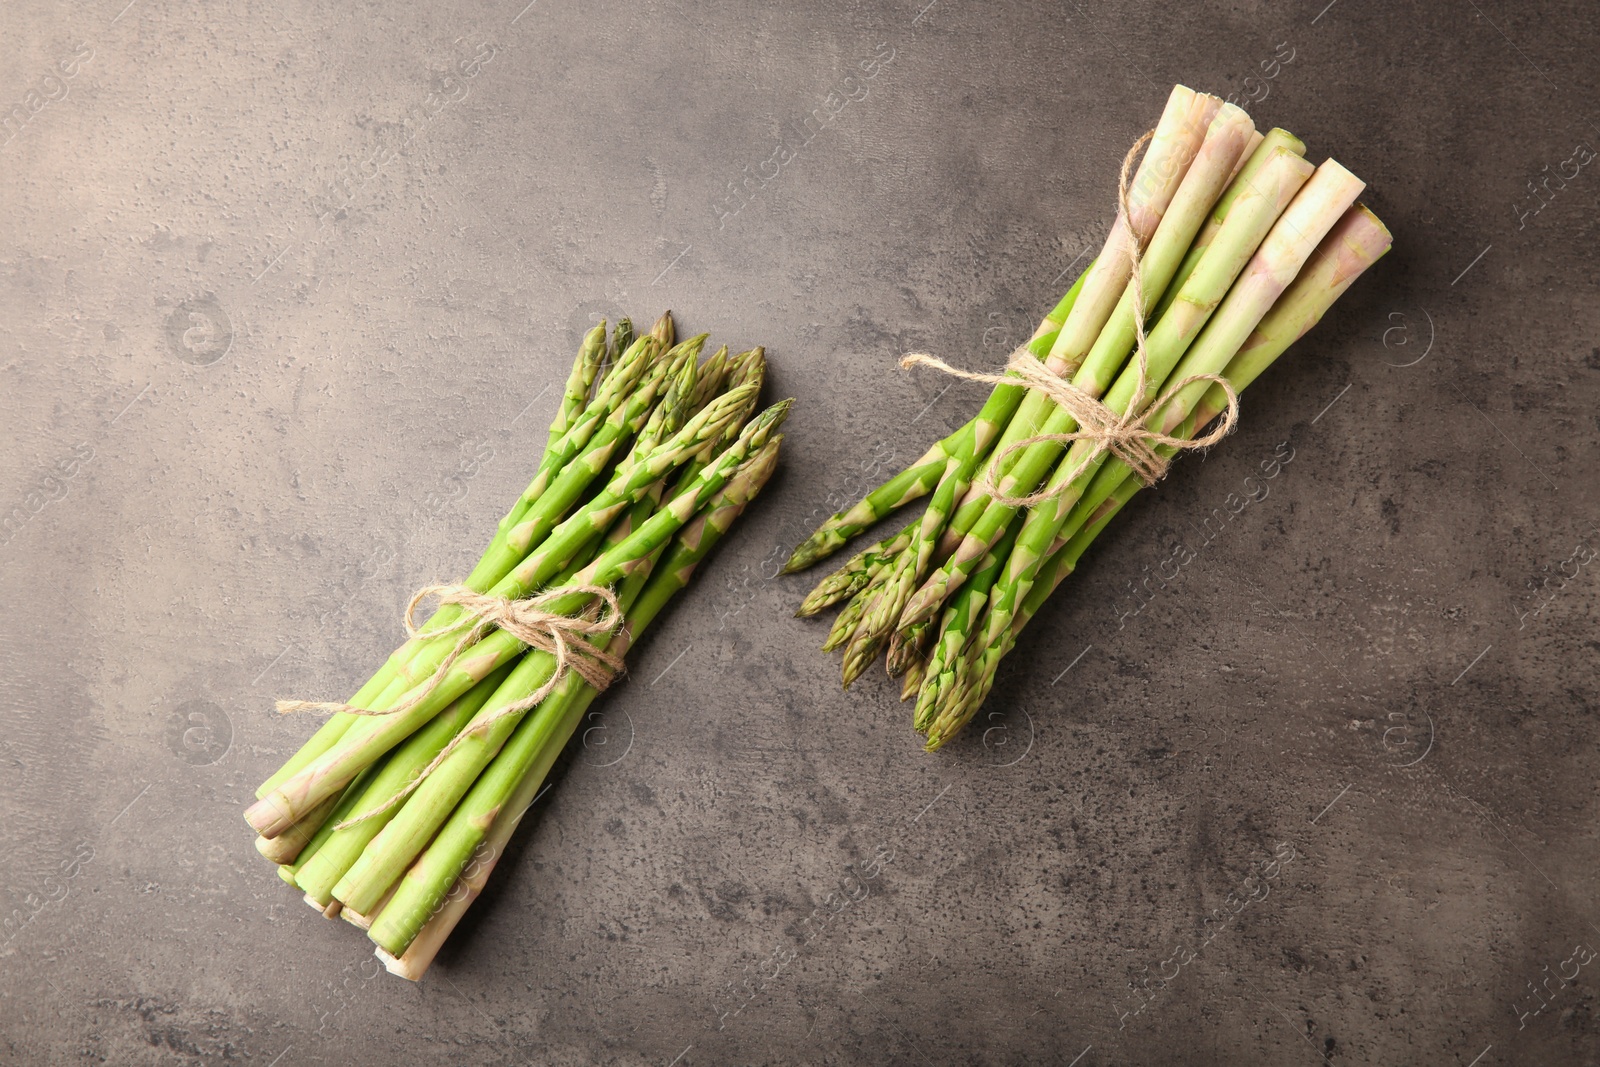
(287, 292)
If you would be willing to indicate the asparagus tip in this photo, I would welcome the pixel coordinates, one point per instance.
(855, 665)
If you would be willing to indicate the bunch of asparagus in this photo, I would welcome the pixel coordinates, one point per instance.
(651, 457)
(1241, 245)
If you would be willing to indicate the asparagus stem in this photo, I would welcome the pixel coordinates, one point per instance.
(912, 483)
(411, 826)
(375, 810)
(1177, 138)
(329, 733)
(1249, 167)
(1202, 184)
(360, 921)
(347, 800)
(1256, 137)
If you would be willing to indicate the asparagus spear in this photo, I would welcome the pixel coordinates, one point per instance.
(894, 570)
(423, 654)
(491, 809)
(664, 330)
(748, 368)
(844, 625)
(907, 646)
(621, 337)
(330, 732)
(956, 628)
(881, 616)
(856, 573)
(1249, 167)
(915, 673)
(952, 707)
(581, 456)
(877, 620)
(668, 416)
(1204, 182)
(1177, 138)
(575, 397)
(638, 364)
(560, 489)
(710, 379)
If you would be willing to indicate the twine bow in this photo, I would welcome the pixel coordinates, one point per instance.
(563, 636)
(1125, 436)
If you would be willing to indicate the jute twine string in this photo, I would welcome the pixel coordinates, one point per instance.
(562, 636)
(1124, 436)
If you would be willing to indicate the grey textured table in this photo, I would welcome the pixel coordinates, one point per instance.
(287, 295)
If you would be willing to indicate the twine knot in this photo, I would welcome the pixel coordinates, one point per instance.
(529, 622)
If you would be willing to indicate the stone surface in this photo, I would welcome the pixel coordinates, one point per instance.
(287, 294)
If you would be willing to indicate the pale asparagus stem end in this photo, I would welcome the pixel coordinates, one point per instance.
(1178, 136)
